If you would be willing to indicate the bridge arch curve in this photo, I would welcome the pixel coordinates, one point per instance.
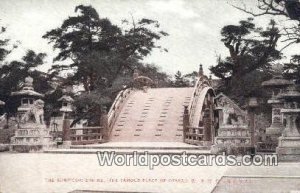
(157, 114)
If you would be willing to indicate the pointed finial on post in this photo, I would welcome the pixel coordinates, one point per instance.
(200, 70)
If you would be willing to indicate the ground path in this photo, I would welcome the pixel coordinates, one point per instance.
(34, 172)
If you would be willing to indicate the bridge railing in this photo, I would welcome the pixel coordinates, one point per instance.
(194, 99)
(194, 135)
(86, 135)
(191, 106)
(90, 135)
(116, 107)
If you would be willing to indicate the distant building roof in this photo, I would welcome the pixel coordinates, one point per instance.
(277, 81)
(66, 98)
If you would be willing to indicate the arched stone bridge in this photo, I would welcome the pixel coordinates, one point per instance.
(164, 115)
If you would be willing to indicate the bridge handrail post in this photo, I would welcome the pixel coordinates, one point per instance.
(104, 124)
(186, 122)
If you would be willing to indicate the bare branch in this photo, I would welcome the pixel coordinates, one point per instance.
(295, 41)
(266, 6)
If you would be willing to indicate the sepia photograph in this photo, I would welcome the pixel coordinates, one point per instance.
(149, 96)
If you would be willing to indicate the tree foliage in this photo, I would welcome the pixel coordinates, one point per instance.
(160, 78)
(101, 55)
(100, 50)
(13, 74)
(279, 8)
(251, 50)
(185, 80)
(3, 43)
(292, 69)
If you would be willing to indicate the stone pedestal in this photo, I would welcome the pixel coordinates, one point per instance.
(275, 130)
(66, 144)
(31, 137)
(289, 143)
(232, 140)
(288, 149)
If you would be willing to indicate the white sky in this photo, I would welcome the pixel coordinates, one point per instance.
(194, 26)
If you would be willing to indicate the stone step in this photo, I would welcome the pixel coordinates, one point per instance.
(130, 147)
(129, 151)
(138, 148)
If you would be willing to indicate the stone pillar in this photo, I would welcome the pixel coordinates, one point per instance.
(221, 117)
(252, 105)
(276, 127)
(252, 125)
(66, 132)
(104, 124)
(186, 122)
(207, 125)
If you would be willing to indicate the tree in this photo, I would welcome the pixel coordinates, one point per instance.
(98, 49)
(102, 55)
(3, 43)
(13, 73)
(280, 8)
(292, 69)
(160, 78)
(180, 80)
(191, 77)
(251, 50)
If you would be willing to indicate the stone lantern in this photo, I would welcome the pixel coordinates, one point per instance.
(276, 85)
(289, 143)
(66, 105)
(32, 133)
(27, 96)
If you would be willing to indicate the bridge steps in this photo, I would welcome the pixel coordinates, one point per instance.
(154, 115)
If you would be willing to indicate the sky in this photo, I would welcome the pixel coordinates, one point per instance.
(194, 27)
